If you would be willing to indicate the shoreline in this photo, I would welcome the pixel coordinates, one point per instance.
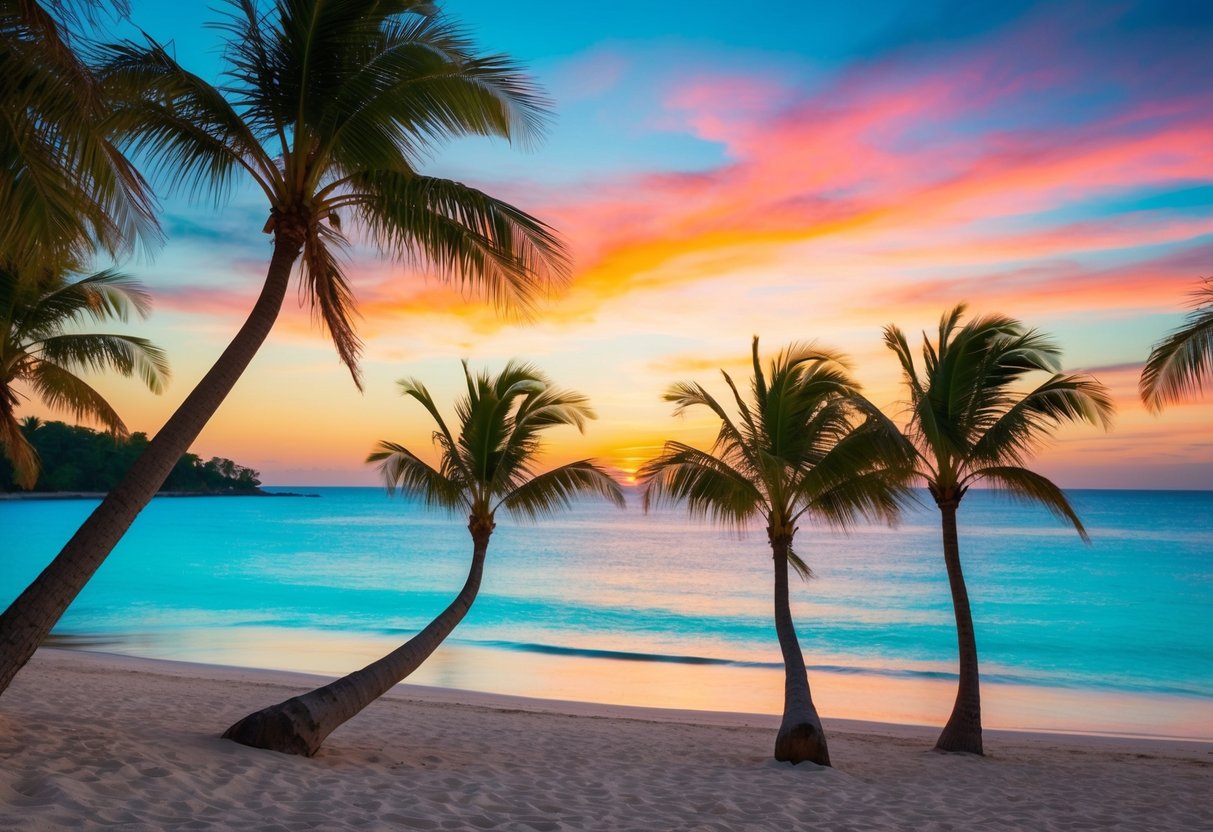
(92, 741)
(602, 710)
(487, 670)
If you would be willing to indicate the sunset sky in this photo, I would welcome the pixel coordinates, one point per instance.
(812, 171)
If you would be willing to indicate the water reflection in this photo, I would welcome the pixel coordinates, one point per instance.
(663, 684)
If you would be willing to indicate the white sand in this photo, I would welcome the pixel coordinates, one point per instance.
(90, 741)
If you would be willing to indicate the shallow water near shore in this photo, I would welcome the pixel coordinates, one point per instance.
(656, 609)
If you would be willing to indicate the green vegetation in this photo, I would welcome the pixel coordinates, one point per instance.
(974, 419)
(1181, 364)
(80, 459)
(42, 350)
(807, 446)
(67, 191)
(486, 467)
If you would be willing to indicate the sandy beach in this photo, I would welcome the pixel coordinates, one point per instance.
(93, 741)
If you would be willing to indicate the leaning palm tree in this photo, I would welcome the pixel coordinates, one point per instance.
(328, 110)
(40, 350)
(1179, 364)
(487, 467)
(971, 420)
(808, 446)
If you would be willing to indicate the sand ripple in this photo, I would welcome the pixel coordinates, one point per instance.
(91, 742)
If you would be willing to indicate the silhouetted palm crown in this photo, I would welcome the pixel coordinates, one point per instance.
(802, 445)
(488, 464)
(329, 107)
(973, 418)
(1180, 364)
(40, 349)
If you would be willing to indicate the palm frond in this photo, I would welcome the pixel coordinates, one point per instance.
(69, 191)
(894, 447)
(417, 391)
(803, 409)
(550, 407)
(487, 422)
(1180, 364)
(869, 495)
(103, 296)
(464, 234)
(1031, 419)
(896, 341)
(196, 140)
(798, 564)
(423, 85)
(743, 408)
(709, 486)
(731, 444)
(1032, 488)
(547, 493)
(759, 381)
(122, 354)
(402, 470)
(18, 450)
(61, 390)
(537, 411)
(328, 290)
(34, 348)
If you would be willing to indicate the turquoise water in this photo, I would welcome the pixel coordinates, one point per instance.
(1128, 614)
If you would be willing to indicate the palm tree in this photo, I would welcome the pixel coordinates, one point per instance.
(328, 109)
(67, 189)
(38, 350)
(1179, 364)
(970, 420)
(487, 467)
(808, 446)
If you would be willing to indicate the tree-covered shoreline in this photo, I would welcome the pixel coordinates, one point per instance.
(80, 461)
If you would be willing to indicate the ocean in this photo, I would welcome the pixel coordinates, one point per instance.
(658, 609)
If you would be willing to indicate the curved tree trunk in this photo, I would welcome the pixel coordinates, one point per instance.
(300, 724)
(963, 731)
(801, 737)
(30, 617)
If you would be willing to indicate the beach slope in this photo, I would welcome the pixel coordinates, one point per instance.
(91, 741)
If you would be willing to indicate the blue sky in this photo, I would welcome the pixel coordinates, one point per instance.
(808, 171)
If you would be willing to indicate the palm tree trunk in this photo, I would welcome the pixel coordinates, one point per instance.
(300, 724)
(29, 619)
(963, 731)
(801, 737)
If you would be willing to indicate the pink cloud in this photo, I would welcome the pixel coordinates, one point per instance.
(899, 155)
(1151, 285)
(903, 164)
(204, 300)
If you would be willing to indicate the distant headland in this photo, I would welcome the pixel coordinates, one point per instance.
(80, 463)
